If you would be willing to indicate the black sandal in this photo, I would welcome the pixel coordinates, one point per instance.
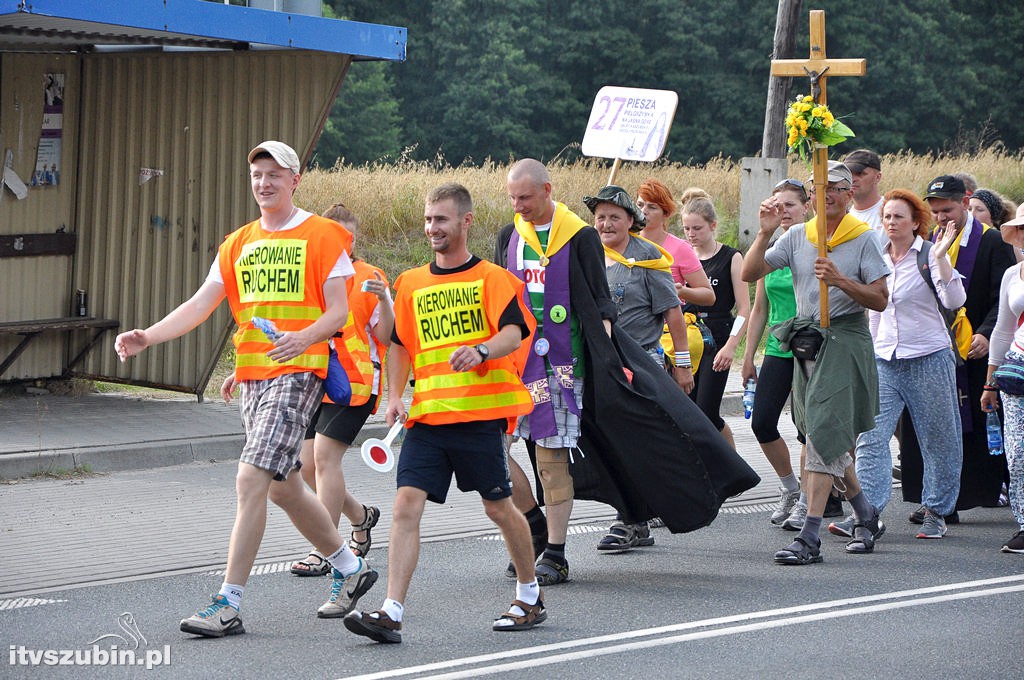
(371, 517)
(620, 538)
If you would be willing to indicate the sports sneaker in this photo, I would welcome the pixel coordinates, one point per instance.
(656, 523)
(917, 516)
(376, 625)
(843, 528)
(787, 499)
(833, 506)
(217, 620)
(1015, 544)
(346, 591)
(932, 527)
(795, 521)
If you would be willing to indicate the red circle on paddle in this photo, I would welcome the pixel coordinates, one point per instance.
(379, 455)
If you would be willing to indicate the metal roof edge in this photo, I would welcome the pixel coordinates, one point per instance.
(211, 20)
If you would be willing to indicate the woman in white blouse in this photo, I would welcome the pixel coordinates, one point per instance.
(1007, 342)
(916, 365)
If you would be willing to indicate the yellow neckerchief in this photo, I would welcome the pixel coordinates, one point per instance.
(849, 228)
(662, 264)
(564, 225)
(954, 248)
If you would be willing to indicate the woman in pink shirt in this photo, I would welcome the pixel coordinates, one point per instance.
(657, 204)
(692, 284)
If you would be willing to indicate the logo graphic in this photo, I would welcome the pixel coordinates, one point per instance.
(126, 622)
(127, 648)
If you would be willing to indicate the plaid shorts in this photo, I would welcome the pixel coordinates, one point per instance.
(275, 413)
(568, 423)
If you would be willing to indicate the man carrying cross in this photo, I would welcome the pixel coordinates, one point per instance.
(835, 386)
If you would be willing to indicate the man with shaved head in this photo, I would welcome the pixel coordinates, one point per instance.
(560, 259)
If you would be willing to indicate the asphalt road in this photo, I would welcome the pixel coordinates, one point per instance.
(704, 605)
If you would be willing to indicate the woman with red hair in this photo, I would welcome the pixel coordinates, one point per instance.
(657, 204)
(692, 285)
(915, 361)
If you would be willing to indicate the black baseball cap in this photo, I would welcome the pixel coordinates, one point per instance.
(946, 186)
(862, 158)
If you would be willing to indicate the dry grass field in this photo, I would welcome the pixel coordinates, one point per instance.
(389, 198)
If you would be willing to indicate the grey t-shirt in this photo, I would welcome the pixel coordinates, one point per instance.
(641, 295)
(859, 259)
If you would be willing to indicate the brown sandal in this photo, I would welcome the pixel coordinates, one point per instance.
(535, 613)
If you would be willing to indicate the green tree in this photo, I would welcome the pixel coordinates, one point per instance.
(487, 79)
(364, 124)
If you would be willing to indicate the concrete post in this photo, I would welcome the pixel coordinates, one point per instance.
(760, 175)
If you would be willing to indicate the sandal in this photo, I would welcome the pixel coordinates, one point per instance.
(532, 615)
(371, 517)
(863, 541)
(865, 534)
(313, 564)
(620, 538)
(799, 552)
(550, 573)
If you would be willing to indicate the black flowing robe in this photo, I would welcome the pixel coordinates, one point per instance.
(647, 449)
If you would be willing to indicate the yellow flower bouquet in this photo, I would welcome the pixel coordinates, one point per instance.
(808, 123)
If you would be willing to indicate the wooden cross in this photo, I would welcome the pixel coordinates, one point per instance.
(818, 69)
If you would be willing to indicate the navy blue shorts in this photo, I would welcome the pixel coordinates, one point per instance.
(474, 452)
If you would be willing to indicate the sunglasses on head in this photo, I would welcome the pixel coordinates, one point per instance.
(791, 184)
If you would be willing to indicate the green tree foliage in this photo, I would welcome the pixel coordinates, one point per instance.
(364, 124)
(517, 79)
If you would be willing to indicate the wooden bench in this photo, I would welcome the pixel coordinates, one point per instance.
(30, 329)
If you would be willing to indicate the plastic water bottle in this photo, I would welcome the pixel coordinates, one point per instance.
(748, 398)
(995, 433)
(267, 326)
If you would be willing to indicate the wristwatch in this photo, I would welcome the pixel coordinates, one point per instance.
(484, 352)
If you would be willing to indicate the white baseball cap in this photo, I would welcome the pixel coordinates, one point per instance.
(283, 154)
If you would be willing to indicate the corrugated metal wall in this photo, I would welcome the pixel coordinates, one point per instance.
(35, 287)
(144, 249)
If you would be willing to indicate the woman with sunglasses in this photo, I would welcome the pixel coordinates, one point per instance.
(774, 302)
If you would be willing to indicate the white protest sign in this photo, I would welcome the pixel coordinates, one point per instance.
(629, 123)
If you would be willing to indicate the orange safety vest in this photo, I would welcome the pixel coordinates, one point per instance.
(279, 275)
(357, 359)
(435, 314)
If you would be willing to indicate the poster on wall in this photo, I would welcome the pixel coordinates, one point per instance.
(48, 166)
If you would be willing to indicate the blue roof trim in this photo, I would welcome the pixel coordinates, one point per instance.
(215, 21)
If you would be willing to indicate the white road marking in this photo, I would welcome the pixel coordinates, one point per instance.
(720, 626)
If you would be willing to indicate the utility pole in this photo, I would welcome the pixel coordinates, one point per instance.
(773, 143)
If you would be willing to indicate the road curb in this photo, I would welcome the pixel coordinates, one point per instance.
(138, 456)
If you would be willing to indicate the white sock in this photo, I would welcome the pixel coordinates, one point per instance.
(344, 560)
(803, 498)
(233, 594)
(527, 592)
(790, 482)
(393, 609)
